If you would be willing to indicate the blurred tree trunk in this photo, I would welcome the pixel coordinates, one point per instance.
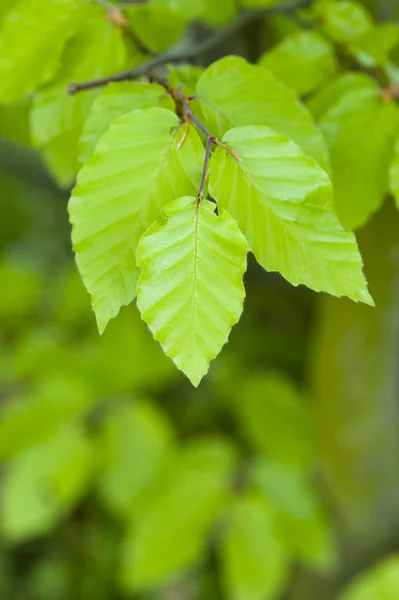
(355, 378)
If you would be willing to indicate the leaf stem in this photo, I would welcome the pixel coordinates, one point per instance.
(209, 143)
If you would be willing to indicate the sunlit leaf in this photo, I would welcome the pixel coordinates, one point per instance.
(136, 169)
(375, 46)
(190, 291)
(302, 61)
(96, 50)
(381, 581)
(32, 38)
(343, 21)
(330, 93)
(233, 93)
(360, 129)
(157, 25)
(116, 100)
(287, 214)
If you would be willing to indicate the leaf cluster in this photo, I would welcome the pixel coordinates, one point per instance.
(183, 172)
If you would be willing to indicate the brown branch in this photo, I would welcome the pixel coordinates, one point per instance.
(209, 143)
(115, 15)
(209, 43)
(141, 70)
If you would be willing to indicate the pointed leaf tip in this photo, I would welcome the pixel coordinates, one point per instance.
(191, 291)
(287, 216)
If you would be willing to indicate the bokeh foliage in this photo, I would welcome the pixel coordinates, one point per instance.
(278, 476)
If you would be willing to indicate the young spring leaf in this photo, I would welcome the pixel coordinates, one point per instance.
(360, 129)
(343, 21)
(379, 581)
(158, 25)
(218, 13)
(136, 169)
(170, 530)
(233, 93)
(32, 38)
(116, 100)
(302, 61)
(282, 201)
(138, 433)
(44, 482)
(329, 94)
(190, 291)
(375, 46)
(96, 50)
(249, 542)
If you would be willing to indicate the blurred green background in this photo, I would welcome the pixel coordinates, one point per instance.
(277, 479)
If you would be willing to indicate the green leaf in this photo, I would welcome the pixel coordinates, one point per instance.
(96, 50)
(41, 485)
(22, 423)
(136, 169)
(254, 563)
(301, 525)
(14, 122)
(287, 215)
(6, 7)
(126, 342)
(394, 174)
(381, 581)
(60, 158)
(274, 419)
(170, 532)
(233, 93)
(302, 61)
(116, 100)
(218, 13)
(343, 21)
(375, 46)
(138, 435)
(360, 129)
(21, 293)
(190, 292)
(32, 38)
(185, 77)
(329, 94)
(157, 25)
(191, 10)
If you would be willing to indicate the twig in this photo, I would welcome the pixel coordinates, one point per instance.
(105, 4)
(209, 143)
(143, 69)
(133, 2)
(209, 43)
(116, 16)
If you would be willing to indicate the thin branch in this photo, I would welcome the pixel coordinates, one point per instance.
(132, 2)
(198, 123)
(108, 6)
(205, 168)
(116, 16)
(206, 45)
(143, 69)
